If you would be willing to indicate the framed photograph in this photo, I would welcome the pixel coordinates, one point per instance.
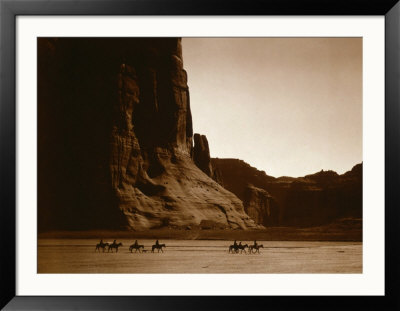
(203, 155)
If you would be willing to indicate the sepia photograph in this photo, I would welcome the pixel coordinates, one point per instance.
(200, 155)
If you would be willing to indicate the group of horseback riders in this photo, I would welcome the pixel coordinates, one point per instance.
(138, 247)
(235, 248)
(135, 246)
(108, 245)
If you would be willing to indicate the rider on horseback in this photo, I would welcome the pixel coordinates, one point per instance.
(255, 244)
(235, 244)
(136, 243)
(157, 243)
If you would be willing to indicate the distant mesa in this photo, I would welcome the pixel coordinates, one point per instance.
(312, 200)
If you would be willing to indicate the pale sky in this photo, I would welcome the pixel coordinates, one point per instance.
(288, 106)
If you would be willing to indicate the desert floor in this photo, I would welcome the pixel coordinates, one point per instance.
(199, 256)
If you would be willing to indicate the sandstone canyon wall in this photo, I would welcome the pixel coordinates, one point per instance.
(260, 206)
(311, 200)
(115, 136)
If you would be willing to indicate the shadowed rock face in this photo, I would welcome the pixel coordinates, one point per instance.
(311, 200)
(260, 206)
(201, 154)
(115, 139)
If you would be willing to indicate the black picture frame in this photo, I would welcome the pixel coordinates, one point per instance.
(9, 10)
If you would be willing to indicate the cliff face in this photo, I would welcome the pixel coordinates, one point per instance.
(115, 139)
(260, 206)
(201, 154)
(311, 200)
(202, 159)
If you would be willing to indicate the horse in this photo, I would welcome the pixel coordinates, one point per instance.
(159, 247)
(242, 248)
(233, 248)
(136, 247)
(101, 245)
(255, 248)
(114, 245)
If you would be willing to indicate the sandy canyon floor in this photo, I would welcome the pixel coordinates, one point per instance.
(199, 256)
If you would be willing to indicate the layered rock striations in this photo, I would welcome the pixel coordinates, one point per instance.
(115, 139)
(311, 200)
